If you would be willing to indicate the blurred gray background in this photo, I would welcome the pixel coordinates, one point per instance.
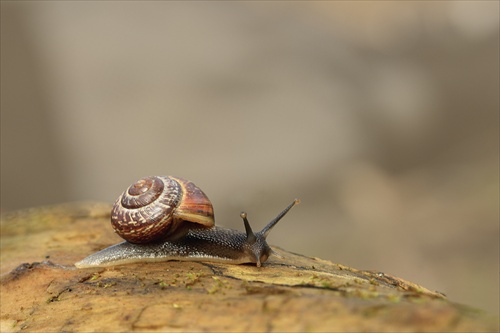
(383, 117)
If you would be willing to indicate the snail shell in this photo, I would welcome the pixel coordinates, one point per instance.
(160, 208)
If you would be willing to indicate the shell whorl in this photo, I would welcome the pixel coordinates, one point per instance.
(156, 208)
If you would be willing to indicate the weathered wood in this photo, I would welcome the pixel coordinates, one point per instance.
(42, 291)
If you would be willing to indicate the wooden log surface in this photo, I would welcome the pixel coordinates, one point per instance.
(41, 290)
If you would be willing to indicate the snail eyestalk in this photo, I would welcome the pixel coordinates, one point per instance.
(250, 235)
(270, 225)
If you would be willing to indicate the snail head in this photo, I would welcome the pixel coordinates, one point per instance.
(255, 244)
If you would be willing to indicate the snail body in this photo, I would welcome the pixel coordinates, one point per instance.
(166, 218)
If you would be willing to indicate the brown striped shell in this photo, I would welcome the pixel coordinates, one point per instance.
(159, 208)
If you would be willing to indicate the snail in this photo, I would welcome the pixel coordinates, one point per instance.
(166, 218)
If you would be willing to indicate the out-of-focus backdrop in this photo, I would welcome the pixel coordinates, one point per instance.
(383, 117)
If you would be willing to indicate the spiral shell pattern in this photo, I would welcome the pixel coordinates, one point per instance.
(154, 208)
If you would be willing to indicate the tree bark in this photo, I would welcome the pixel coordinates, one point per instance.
(41, 290)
